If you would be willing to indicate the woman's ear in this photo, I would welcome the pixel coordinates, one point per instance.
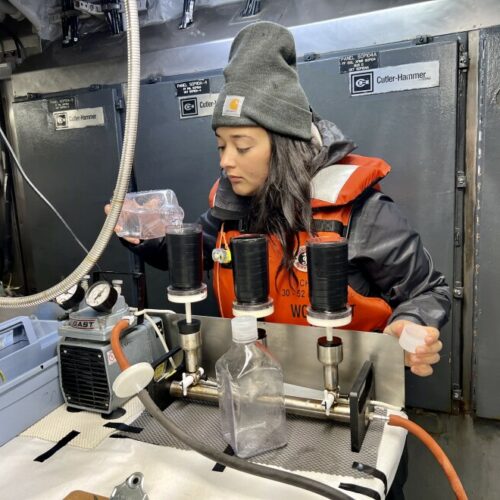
(316, 136)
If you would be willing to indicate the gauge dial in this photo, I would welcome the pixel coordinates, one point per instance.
(71, 298)
(101, 296)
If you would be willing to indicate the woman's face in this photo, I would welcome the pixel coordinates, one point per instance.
(245, 153)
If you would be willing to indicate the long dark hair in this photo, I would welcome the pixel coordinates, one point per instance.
(282, 207)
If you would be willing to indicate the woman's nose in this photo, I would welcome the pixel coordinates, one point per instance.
(226, 159)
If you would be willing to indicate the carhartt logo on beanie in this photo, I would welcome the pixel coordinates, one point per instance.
(232, 105)
(262, 85)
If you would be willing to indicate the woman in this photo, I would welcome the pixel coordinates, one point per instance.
(289, 174)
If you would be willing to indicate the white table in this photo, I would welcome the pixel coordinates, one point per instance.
(168, 473)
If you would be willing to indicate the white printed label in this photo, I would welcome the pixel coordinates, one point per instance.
(111, 357)
(79, 118)
(197, 105)
(395, 78)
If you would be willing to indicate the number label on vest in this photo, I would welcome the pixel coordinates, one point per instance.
(299, 310)
(290, 292)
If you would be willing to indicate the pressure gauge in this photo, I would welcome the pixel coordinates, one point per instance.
(101, 296)
(71, 298)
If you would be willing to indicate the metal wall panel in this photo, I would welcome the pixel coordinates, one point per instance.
(76, 170)
(487, 277)
(415, 132)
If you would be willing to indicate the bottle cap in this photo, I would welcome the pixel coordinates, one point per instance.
(244, 329)
(412, 337)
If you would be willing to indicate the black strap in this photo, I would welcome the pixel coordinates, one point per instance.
(120, 426)
(328, 226)
(60, 444)
(372, 471)
(319, 225)
(219, 467)
(362, 490)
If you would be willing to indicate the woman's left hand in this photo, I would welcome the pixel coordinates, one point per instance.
(427, 355)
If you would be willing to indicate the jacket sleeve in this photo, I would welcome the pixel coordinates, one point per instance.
(391, 256)
(154, 252)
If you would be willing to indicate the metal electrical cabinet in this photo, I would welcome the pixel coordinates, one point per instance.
(180, 154)
(69, 146)
(486, 369)
(414, 130)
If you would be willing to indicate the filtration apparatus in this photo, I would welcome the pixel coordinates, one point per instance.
(327, 273)
(185, 251)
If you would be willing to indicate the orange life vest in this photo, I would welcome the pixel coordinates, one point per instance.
(334, 189)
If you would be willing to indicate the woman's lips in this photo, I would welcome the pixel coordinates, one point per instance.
(235, 179)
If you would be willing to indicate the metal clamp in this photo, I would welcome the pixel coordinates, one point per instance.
(359, 400)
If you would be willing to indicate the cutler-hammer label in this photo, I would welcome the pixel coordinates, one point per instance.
(395, 78)
(197, 105)
(79, 118)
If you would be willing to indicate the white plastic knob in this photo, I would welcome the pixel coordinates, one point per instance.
(328, 401)
(133, 380)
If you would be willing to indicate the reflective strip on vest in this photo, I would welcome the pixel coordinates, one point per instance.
(328, 182)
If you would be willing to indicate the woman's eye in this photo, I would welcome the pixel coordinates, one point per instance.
(243, 150)
(220, 148)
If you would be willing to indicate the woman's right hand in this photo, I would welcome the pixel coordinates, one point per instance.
(134, 241)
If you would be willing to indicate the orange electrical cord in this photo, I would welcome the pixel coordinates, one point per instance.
(435, 449)
(116, 346)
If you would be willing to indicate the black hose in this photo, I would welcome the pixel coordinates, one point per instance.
(238, 463)
(6, 218)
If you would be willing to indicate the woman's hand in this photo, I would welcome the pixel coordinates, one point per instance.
(426, 355)
(134, 241)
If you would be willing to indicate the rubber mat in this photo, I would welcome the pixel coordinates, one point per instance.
(313, 445)
(90, 425)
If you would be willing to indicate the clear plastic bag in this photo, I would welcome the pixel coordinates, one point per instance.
(146, 214)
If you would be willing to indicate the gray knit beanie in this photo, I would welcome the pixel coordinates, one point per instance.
(262, 85)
